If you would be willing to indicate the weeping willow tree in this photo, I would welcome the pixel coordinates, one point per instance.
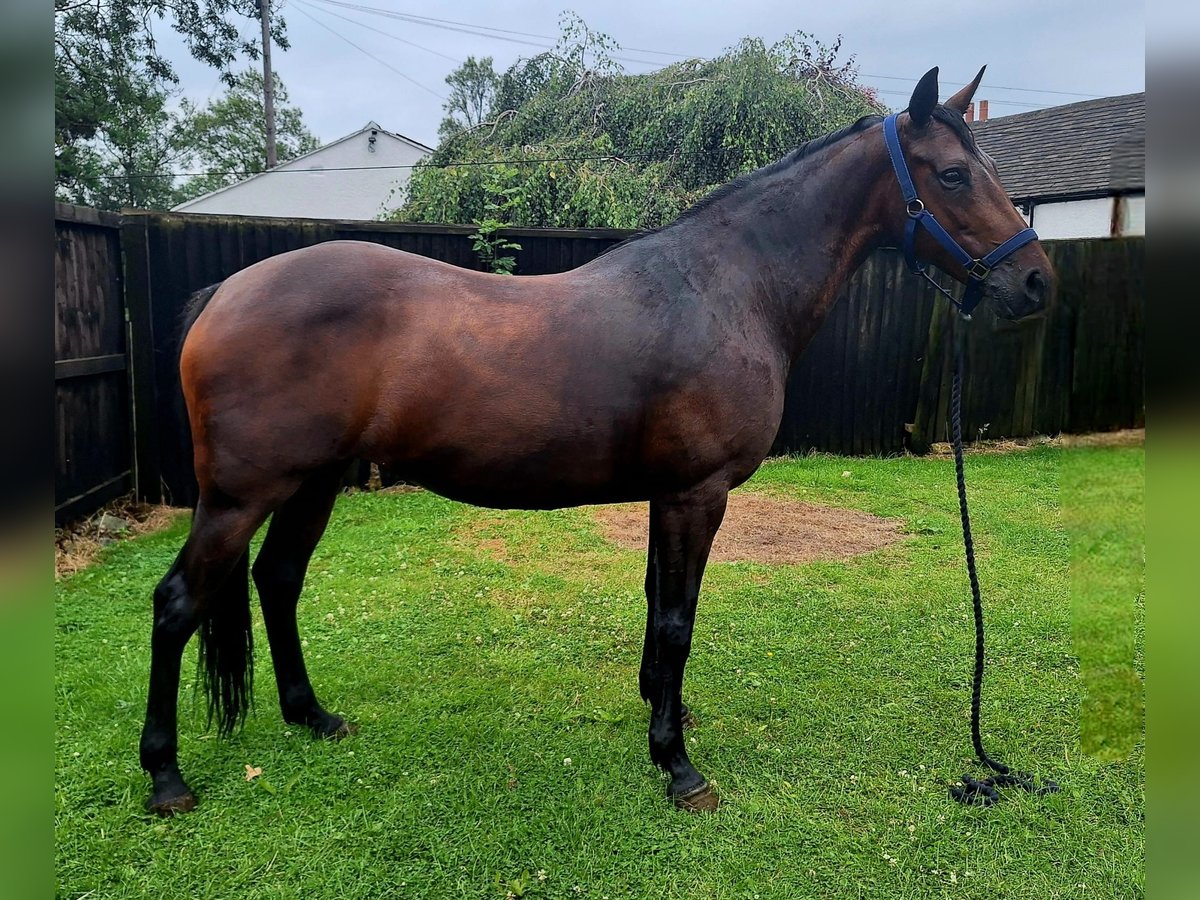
(571, 140)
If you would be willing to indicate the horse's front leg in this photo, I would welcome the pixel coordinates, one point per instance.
(682, 529)
(648, 673)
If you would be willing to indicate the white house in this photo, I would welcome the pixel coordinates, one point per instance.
(1076, 171)
(356, 177)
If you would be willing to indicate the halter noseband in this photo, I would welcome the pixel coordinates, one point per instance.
(977, 269)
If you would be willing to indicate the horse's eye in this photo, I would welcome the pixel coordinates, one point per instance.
(953, 177)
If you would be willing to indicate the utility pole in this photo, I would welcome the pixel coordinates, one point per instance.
(264, 8)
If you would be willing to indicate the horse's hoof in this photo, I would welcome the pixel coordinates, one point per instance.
(703, 799)
(340, 729)
(182, 803)
(333, 728)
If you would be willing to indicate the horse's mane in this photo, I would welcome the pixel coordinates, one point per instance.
(946, 116)
(958, 125)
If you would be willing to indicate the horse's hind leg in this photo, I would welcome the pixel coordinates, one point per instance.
(279, 571)
(208, 585)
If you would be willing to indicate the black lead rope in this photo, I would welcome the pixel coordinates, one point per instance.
(980, 791)
(971, 790)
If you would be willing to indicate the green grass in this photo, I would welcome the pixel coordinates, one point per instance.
(1102, 499)
(832, 700)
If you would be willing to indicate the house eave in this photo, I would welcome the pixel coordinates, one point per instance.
(1066, 197)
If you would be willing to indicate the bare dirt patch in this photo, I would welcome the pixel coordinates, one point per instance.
(1125, 437)
(399, 488)
(77, 545)
(768, 530)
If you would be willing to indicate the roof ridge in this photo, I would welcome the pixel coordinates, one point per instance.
(290, 164)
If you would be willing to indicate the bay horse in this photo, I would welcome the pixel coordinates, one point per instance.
(655, 372)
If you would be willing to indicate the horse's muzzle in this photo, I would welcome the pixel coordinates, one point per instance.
(1026, 297)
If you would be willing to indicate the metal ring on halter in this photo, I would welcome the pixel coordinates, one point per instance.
(979, 270)
(915, 207)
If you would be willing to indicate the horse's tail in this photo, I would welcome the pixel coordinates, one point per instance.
(226, 640)
(194, 306)
(227, 650)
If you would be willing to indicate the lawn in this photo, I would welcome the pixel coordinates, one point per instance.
(491, 661)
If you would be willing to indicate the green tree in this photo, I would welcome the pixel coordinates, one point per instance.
(472, 90)
(120, 146)
(112, 86)
(227, 137)
(585, 145)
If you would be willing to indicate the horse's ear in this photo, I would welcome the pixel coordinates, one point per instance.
(959, 101)
(924, 98)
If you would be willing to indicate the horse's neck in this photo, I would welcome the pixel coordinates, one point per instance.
(796, 235)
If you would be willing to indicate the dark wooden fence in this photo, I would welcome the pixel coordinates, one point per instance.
(92, 462)
(875, 380)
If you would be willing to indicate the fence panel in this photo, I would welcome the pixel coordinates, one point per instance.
(855, 387)
(1080, 367)
(91, 392)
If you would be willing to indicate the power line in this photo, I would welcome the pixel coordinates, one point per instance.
(996, 87)
(388, 34)
(545, 37)
(477, 30)
(390, 14)
(382, 62)
(997, 102)
(394, 14)
(472, 29)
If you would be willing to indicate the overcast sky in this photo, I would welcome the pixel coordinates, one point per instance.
(1039, 52)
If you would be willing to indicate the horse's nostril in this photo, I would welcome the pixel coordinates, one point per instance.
(1035, 286)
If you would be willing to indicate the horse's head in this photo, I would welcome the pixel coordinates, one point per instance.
(958, 184)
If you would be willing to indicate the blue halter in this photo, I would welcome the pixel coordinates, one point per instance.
(977, 269)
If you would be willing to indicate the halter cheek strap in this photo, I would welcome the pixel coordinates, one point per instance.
(978, 269)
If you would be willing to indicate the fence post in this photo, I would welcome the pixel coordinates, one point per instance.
(134, 246)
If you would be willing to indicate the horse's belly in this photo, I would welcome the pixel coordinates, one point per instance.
(541, 495)
(507, 473)
(611, 461)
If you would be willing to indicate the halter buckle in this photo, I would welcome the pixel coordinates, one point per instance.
(915, 207)
(978, 270)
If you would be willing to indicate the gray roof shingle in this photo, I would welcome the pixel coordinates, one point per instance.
(1090, 148)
